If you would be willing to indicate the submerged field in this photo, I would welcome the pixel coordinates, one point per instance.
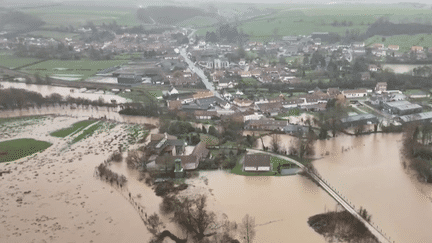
(19, 148)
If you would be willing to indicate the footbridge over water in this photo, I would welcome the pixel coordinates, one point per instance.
(374, 229)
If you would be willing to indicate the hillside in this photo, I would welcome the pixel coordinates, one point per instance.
(169, 15)
(18, 21)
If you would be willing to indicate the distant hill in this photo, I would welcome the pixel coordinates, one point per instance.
(19, 21)
(169, 15)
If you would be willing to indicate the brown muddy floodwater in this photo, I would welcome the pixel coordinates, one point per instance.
(110, 113)
(46, 90)
(369, 174)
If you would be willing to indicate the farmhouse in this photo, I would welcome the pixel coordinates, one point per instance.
(257, 162)
(381, 87)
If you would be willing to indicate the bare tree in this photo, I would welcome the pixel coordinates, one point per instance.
(248, 228)
(275, 143)
(153, 223)
(192, 216)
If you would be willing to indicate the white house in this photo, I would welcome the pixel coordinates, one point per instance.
(355, 93)
(173, 91)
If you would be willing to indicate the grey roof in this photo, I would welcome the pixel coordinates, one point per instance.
(358, 118)
(256, 160)
(403, 105)
(417, 117)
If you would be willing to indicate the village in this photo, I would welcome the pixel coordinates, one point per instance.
(163, 122)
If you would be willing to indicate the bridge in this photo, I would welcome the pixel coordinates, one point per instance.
(382, 237)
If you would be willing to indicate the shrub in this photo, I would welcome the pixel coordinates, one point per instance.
(116, 157)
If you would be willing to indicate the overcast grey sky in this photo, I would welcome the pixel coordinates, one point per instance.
(312, 1)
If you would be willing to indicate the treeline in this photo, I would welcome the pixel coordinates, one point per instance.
(227, 33)
(168, 14)
(151, 110)
(386, 28)
(416, 150)
(61, 52)
(98, 36)
(20, 21)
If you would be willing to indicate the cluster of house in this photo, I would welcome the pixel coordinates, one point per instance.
(165, 149)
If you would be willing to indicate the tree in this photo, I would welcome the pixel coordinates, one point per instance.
(192, 216)
(248, 228)
(204, 130)
(275, 143)
(153, 223)
(212, 131)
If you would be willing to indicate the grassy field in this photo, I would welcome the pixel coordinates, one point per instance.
(403, 41)
(80, 69)
(294, 20)
(57, 16)
(19, 148)
(11, 61)
(53, 34)
(76, 127)
(126, 56)
(144, 94)
(198, 21)
(87, 133)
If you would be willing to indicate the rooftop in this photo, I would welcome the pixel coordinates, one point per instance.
(358, 118)
(417, 117)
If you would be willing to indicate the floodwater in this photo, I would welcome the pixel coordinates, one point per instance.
(368, 173)
(281, 205)
(401, 68)
(46, 90)
(110, 113)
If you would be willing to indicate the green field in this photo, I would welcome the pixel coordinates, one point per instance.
(53, 34)
(87, 133)
(76, 127)
(403, 41)
(75, 69)
(11, 61)
(126, 56)
(143, 94)
(19, 148)
(58, 16)
(295, 20)
(198, 21)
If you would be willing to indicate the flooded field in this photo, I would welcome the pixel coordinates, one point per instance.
(46, 90)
